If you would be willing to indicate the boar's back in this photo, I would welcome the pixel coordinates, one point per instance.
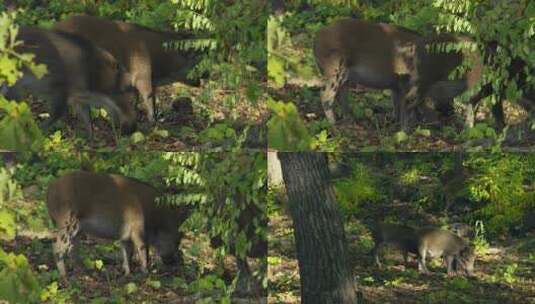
(86, 193)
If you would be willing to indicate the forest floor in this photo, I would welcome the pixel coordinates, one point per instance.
(505, 273)
(185, 123)
(89, 283)
(368, 124)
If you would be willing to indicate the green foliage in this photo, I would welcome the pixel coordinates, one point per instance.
(479, 131)
(286, 130)
(237, 183)
(54, 294)
(506, 274)
(18, 284)
(504, 31)
(498, 179)
(357, 191)
(236, 51)
(495, 189)
(9, 192)
(12, 62)
(223, 136)
(459, 283)
(284, 60)
(211, 283)
(18, 130)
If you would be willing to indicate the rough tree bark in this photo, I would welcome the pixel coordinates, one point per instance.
(318, 230)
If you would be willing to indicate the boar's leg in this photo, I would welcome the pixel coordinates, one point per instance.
(421, 262)
(143, 85)
(65, 237)
(126, 250)
(449, 259)
(336, 74)
(141, 251)
(400, 109)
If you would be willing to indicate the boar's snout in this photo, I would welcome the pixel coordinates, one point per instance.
(469, 269)
(128, 116)
(167, 246)
(468, 257)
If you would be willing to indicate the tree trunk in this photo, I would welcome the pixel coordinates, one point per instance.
(318, 230)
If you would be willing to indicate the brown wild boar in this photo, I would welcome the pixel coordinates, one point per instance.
(79, 74)
(401, 236)
(371, 54)
(113, 207)
(141, 50)
(434, 242)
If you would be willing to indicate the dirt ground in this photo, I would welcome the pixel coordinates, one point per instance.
(162, 284)
(371, 126)
(182, 118)
(504, 274)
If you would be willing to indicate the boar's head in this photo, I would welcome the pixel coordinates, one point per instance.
(466, 260)
(166, 244)
(125, 101)
(111, 76)
(167, 237)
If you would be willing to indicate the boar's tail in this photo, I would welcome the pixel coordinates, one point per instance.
(85, 99)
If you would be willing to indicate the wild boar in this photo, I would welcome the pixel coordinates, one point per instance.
(361, 52)
(113, 207)
(434, 242)
(401, 236)
(79, 74)
(141, 50)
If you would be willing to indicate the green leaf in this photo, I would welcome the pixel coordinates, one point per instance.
(137, 137)
(161, 133)
(286, 129)
(401, 137)
(8, 227)
(422, 132)
(99, 264)
(131, 288)
(154, 284)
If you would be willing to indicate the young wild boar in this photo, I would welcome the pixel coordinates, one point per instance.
(113, 207)
(139, 49)
(434, 242)
(401, 236)
(372, 54)
(79, 74)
